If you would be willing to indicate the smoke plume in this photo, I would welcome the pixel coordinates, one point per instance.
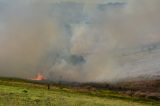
(85, 40)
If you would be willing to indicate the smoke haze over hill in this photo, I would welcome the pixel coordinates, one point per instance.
(85, 40)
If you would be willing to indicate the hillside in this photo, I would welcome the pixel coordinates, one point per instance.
(25, 93)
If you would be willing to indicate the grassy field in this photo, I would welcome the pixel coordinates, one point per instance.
(22, 93)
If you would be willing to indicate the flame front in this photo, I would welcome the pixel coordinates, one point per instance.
(39, 77)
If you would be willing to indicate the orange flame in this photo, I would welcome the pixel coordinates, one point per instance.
(39, 77)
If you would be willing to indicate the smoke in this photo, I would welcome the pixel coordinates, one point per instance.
(82, 41)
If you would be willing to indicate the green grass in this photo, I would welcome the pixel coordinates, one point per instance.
(22, 93)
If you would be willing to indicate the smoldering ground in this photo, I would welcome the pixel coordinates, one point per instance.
(83, 40)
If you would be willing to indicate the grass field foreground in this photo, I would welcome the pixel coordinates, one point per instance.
(19, 93)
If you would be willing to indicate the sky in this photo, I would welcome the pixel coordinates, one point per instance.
(83, 40)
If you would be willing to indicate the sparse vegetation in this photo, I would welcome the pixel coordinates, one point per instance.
(23, 93)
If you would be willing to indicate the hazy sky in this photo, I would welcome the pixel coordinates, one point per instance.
(83, 40)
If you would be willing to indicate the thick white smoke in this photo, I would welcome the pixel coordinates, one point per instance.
(83, 40)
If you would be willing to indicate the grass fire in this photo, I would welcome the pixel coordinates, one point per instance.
(39, 77)
(79, 53)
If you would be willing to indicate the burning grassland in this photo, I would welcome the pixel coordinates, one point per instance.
(144, 89)
(39, 77)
